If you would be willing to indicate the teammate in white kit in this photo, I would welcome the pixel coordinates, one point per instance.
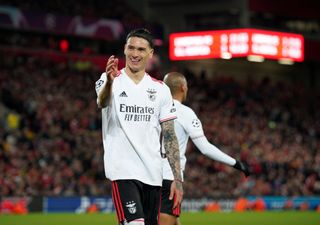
(187, 125)
(135, 109)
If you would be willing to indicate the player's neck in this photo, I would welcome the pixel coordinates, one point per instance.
(136, 77)
(178, 97)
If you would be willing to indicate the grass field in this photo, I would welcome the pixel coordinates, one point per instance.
(248, 218)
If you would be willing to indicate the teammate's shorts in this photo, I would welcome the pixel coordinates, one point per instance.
(135, 200)
(166, 204)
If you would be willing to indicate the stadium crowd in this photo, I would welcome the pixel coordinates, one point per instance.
(50, 143)
(274, 127)
(92, 9)
(114, 9)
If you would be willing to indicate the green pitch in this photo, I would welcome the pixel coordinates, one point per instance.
(248, 218)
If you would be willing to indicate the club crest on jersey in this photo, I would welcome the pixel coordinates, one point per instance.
(152, 94)
(131, 207)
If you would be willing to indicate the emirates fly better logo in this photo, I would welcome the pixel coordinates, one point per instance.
(137, 113)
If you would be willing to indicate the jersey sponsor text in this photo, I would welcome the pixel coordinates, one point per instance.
(136, 113)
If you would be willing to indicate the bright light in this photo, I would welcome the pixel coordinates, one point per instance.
(239, 37)
(255, 58)
(64, 45)
(226, 55)
(239, 48)
(265, 39)
(194, 40)
(285, 61)
(265, 44)
(233, 43)
(192, 50)
(264, 49)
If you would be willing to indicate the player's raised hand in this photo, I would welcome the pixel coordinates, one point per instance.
(176, 193)
(112, 68)
(242, 167)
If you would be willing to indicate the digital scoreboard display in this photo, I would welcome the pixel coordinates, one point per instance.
(236, 43)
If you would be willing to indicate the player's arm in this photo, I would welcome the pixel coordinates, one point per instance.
(104, 94)
(214, 153)
(171, 146)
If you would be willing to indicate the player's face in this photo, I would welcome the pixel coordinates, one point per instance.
(138, 52)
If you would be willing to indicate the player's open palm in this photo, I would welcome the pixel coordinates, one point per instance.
(112, 68)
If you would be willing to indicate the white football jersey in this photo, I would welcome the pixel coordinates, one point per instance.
(131, 128)
(186, 125)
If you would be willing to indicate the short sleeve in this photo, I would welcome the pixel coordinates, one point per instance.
(167, 110)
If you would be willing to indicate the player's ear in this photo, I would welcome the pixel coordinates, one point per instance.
(124, 49)
(151, 53)
(183, 87)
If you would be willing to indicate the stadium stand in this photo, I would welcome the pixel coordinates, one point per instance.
(50, 126)
(50, 134)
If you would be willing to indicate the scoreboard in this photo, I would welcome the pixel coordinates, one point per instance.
(228, 44)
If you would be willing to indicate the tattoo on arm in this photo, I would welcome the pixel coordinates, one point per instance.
(172, 149)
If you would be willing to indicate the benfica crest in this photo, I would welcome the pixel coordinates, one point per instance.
(131, 207)
(152, 94)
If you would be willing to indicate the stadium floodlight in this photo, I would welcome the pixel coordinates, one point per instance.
(285, 61)
(255, 58)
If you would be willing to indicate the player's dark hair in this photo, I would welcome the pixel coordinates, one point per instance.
(142, 33)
